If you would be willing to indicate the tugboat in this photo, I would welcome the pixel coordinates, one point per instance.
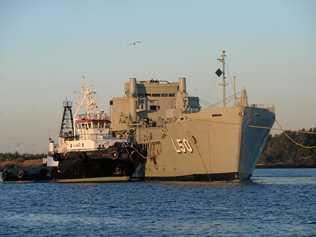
(86, 146)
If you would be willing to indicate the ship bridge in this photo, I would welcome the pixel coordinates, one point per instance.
(151, 102)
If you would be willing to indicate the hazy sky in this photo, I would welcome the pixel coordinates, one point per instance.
(45, 47)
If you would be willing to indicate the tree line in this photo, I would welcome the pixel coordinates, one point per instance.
(16, 155)
(280, 150)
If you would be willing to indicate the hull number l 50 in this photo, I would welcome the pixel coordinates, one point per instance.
(182, 145)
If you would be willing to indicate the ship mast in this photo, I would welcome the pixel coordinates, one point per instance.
(224, 84)
(235, 90)
(67, 125)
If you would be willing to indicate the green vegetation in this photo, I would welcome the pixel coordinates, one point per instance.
(25, 156)
(281, 152)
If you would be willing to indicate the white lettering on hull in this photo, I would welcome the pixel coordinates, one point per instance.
(181, 145)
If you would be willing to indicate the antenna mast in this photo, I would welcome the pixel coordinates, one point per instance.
(222, 60)
(235, 89)
(67, 125)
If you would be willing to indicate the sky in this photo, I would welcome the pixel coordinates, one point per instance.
(46, 47)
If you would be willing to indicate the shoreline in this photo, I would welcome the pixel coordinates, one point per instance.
(285, 166)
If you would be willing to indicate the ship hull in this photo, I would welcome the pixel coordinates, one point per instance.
(254, 135)
(223, 146)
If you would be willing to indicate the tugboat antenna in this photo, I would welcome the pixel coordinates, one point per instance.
(67, 125)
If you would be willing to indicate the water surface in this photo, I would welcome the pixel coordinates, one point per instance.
(278, 202)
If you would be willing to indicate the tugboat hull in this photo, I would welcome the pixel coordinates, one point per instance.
(100, 163)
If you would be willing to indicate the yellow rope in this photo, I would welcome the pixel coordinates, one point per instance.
(292, 140)
(287, 135)
(199, 153)
(279, 129)
(269, 128)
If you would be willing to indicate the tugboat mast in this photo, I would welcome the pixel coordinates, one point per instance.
(67, 125)
(222, 60)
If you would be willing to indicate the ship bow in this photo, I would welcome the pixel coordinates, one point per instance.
(256, 126)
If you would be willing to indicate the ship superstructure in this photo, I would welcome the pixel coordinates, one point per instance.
(88, 129)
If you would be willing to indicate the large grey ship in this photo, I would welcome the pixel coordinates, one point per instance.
(183, 141)
(157, 131)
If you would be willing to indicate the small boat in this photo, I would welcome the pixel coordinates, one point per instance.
(17, 172)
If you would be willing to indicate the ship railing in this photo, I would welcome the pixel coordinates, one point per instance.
(269, 107)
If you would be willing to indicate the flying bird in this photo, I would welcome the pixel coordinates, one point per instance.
(135, 43)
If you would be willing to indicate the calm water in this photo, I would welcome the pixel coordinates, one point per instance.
(280, 202)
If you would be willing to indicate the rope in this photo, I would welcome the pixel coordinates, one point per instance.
(203, 162)
(279, 129)
(292, 140)
(138, 153)
(269, 128)
(199, 154)
(287, 135)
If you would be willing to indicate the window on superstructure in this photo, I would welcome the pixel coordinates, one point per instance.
(154, 107)
(141, 102)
